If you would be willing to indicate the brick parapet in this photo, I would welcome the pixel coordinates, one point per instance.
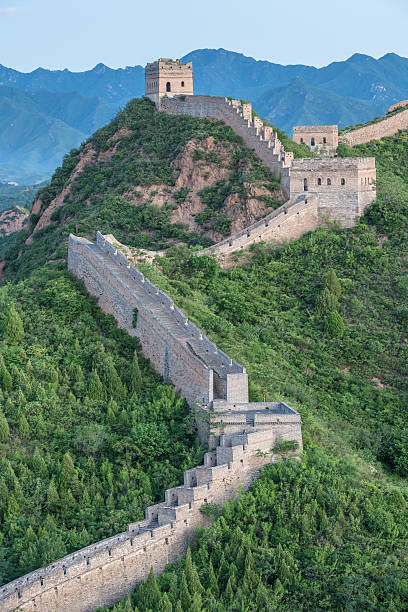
(375, 131)
(177, 348)
(266, 144)
(289, 221)
(101, 574)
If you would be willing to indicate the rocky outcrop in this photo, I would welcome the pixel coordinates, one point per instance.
(12, 220)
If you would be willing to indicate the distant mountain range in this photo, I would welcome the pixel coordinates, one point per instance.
(44, 113)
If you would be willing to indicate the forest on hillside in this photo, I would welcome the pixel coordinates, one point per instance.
(322, 324)
(90, 435)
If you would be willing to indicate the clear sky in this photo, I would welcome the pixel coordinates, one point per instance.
(77, 34)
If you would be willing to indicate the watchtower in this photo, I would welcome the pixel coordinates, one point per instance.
(319, 138)
(167, 77)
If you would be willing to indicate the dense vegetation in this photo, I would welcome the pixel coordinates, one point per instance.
(322, 324)
(148, 144)
(88, 437)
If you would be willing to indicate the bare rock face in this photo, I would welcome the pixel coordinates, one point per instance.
(201, 163)
(12, 220)
(58, 201)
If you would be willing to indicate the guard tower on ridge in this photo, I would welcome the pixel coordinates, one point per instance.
(167, 77)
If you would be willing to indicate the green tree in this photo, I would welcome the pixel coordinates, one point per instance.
(149, 593)
(13, 327)
(95, 390)
(334, 325)
(23, 427)
(4, 428)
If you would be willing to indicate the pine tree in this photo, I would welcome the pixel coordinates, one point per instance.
(113, 382)
(212, 580)
(173, 591)
(13, 327)
(96, 391)
(4, 428)
(165, 604)
(23, 427)
(333, 284)
(5, 376)
(334, 325)
(52, 496)
(150, 593)
(261, 597)
(185, 597)
(135, 374)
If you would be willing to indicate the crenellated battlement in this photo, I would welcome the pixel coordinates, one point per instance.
(103, 573)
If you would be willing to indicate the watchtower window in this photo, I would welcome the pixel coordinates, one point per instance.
(329, 181)
(324, 140)
(168, 86)
(305, 185)
(319, 181)
(301, 140)
(343, 181)
(313, 142)
(182, 83)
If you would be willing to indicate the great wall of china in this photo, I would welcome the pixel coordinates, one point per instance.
(240, 436)
(235, 430)
(375, 131)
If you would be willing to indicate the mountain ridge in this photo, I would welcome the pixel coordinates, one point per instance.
(365, 87)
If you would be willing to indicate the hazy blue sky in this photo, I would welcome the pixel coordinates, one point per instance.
(77, 34)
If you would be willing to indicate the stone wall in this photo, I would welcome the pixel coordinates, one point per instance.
(167, 77)
(102, 574)
(387, 127)
(178, 350)
(260, 138)
(319, 138)
(287, 222)
(344, 186)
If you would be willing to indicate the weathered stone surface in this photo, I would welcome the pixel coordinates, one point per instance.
(387, 127)
(322, 139)
(103, 573)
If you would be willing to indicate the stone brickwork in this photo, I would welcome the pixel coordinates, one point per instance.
(103, 573)
(344, 186)
(387, 127)
(398, 105)
(323, 139)
(178, 350)
(262, 139)
(289, 221)
(167, 77)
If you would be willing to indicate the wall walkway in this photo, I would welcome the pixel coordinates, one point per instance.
(387, 127)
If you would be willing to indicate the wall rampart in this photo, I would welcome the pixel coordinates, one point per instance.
(344, 186)
(179, 351)
(387, 127)
(287, 222)
(103, 573)
(239, 117)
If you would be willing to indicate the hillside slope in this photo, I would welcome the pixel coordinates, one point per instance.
(320, 323)
(153, 180)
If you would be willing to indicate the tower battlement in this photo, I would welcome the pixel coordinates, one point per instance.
(167, 77)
